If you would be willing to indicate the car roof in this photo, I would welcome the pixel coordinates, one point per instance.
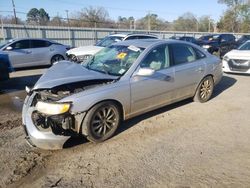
(18, 39)
(145, 43)
(133, 34)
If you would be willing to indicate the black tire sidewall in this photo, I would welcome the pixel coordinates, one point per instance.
(52, 62)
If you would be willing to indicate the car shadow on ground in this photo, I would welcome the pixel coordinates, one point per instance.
(225, 83)
(18, 83)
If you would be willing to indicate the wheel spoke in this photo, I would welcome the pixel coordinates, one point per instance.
(109, 110)
(110, 121)
(104, 112)
(99, 115)
(104, 129)
(112, 114)
(97, 127)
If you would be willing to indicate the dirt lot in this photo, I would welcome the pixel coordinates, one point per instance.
(182, 145)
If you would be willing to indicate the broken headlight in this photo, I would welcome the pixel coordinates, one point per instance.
(52, 108)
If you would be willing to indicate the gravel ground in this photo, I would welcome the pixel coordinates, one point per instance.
(186, 144)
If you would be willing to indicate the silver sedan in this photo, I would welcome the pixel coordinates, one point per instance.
(121, 81)
(30, 52)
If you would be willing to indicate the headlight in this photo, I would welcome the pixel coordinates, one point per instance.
(206, 46)
(52, 108)
(225, 58)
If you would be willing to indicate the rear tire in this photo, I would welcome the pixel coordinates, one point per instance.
(56, 58)
(204, 90)
(102, 121)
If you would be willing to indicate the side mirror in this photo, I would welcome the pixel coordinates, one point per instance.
(145, 72)
(9, 48)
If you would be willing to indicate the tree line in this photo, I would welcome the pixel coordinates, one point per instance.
(236, 18)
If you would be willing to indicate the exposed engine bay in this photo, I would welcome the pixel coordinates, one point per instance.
(62, 124)
(59, 92)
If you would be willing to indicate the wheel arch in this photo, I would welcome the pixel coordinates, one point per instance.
(118, 103)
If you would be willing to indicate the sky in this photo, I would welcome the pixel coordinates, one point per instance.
(168, 10)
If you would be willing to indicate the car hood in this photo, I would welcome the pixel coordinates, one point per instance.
(84, 50)
(66, 72)
(239, 54)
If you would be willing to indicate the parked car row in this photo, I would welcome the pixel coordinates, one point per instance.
(35, 52)
(83, 53)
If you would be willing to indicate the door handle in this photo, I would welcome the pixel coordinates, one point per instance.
(28, 52)
(167, 78)
(200, 69)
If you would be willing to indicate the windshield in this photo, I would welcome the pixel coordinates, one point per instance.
(245, 46)
(114, 60)
(109, 40)
(209, 38)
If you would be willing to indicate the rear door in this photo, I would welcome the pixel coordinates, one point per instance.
(40, 51)
(189, 68)
(20, 55)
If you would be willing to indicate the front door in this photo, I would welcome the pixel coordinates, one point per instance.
(20, 55)
(156, 90)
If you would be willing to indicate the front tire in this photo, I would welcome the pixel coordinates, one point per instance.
(102, 121)
(205, 90)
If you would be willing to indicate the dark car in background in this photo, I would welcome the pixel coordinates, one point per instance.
(218, 44)
(185, 38)
(189, 39)
(5, 67)
(242, 40)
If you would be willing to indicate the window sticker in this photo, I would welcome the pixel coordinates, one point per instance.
(121, 55)
(122, 71)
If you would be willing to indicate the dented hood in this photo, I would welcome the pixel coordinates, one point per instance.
(66, 72)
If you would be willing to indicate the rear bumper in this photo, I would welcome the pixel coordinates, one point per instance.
(35, 137)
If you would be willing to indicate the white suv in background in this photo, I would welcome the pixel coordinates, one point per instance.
(82, 53)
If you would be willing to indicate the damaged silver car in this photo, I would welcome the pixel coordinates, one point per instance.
(121, 81)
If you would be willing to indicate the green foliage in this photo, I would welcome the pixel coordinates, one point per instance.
(236, 17)
(40, 17)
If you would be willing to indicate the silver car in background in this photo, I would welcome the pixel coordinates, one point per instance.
(29, 52)
(120, 82)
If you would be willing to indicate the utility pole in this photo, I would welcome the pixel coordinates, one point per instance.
(67, 12)
(2, 29)
(14, 10)
(209, 25)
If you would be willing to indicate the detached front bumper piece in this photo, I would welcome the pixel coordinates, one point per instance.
(36, 137)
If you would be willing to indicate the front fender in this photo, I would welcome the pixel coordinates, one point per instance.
(85, 100)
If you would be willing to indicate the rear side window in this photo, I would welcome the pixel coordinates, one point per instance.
(183, 53)
(39, 43)
(23, 44)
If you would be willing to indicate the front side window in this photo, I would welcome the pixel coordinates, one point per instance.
(114, 60)
(183, 53)
(23, 44)
(157, 59)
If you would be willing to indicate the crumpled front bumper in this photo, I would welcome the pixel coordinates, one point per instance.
(35, 137)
